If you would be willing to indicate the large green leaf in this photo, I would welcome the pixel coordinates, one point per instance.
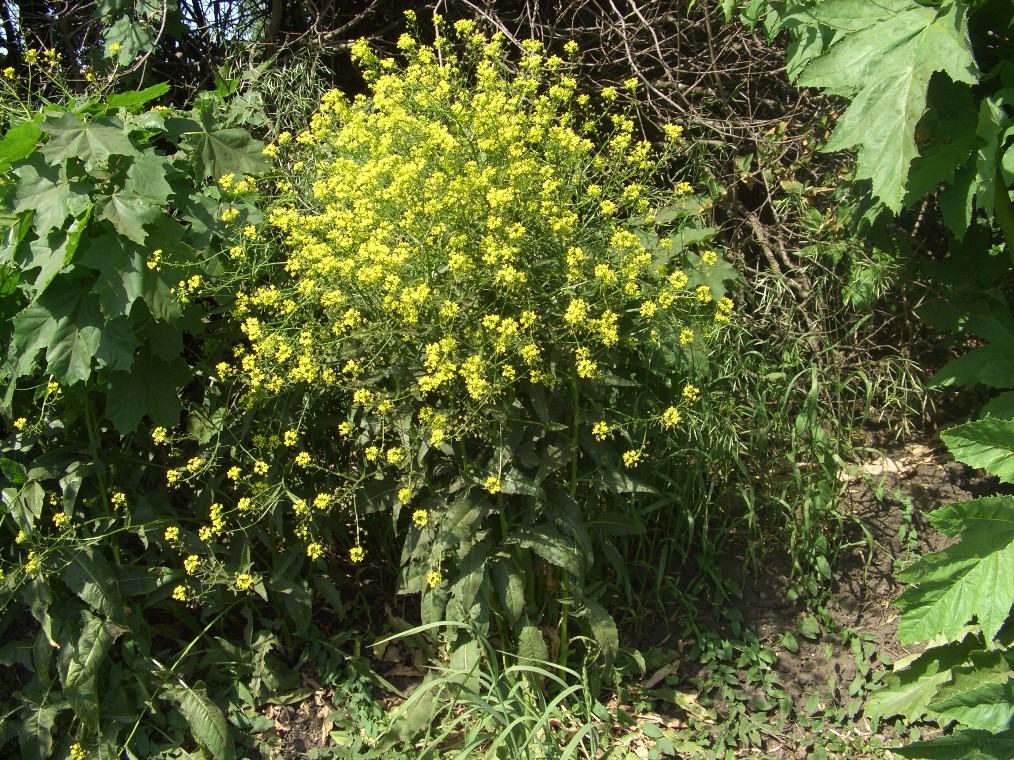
(551, 546)
(532, 645)
(133, 37)
(218, 151)
(131, 100)
(80, 662)
(884, 58)
(206, 720)
(963, 745)
(92, 578)
(986, 443)
(129, 213)
(36, 731)
(981, 696)
(19, 143)
(146, 178)
(47, 191)
(908, 692)
(87, 141)
(972, 578)
(150, 388)
(603, 629)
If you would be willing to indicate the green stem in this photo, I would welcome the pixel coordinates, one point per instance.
(91, 423)
(1004, 211)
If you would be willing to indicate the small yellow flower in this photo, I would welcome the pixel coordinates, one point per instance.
(405, 495)
(21, 537)
(633, 457)
(52, 387)
(9, 72)
(345, 429)
(77, 752)
(158, 435)
(492, 484)
(434, 578)
(420, 517)
(290, 437)
(180, 593)
(686, 336)
(172, 477)
(371, 453)
(243, 581)
(244, 504)
(191, 564)
(172, 533)
(704, 294)
(356, 554)
(691, 392)
(709, 258)
(600, 430)
(395, 455)
(260, 468)
(671, 417)
(233, 473)
(314, 551)
(115, 48)
(302, 459)
(20, 423)
(194, 464)
(61, 519)
(119, 500)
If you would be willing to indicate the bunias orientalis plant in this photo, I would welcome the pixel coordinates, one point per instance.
(471, 313)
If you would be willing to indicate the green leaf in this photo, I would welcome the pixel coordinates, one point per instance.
(131, 100)
(13, 471)
(908, 692)
(151, 388)
(129, 213)
(224, 151)
(207, 722)
(1001, 407)
(603, 630)
(146, 178)
(511, 589)
(45, 189)
(19, 143)
(80, 664)
(981, 696)
(87, 141)
(987, 444)
(884, 60)
(92, 578)
(991, 365)
(550, 545)
(963, 745)
(133, 37)
(972, 578)
(532, 645)
(36, 731)
(78, 331)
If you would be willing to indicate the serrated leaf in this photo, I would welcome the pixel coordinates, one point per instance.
(19, 143)
(987, 444)
(87, 141)
(885, 67)
(75, 340)
(973, 578)
(129, 213)
(962, 745)
(909, 692)
(207, 722)
(980, 696)
(43, 188)
(151, 388)
(146, 178)
(218, 152)
(132, 37)
(1001, 407)
(991, 365)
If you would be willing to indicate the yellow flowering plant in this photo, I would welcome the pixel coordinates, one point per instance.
(472, 293)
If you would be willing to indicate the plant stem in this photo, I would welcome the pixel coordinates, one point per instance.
(100, 473)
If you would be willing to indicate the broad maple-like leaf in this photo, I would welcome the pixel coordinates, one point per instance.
(44, 189)
(96, 140)
(972, 578)
(987, 444)
(884, 61)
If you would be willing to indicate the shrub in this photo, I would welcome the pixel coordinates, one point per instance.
(471, 322)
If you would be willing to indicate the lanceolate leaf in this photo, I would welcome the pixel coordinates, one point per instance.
(884, 62)
(91, 577)
(81, 662)
(963, 745)
(986, 443)
(973, 578)
(131, 100)
(205, 718)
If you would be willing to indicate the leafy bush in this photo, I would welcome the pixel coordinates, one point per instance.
(467, 319)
